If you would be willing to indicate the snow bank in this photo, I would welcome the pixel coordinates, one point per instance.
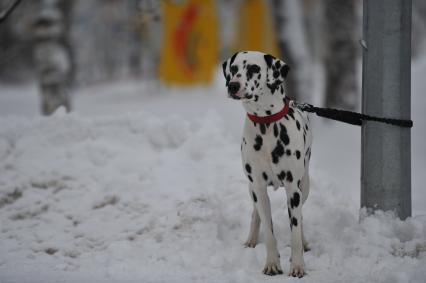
(143, 198)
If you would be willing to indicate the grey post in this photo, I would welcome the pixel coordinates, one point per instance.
(386, 92)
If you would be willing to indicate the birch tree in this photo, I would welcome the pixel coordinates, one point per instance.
(52, 54)
(340, 53)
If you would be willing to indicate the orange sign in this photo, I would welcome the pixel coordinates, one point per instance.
(190, 44)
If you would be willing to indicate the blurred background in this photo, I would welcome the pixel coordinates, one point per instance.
(142, 180)
(65, 46)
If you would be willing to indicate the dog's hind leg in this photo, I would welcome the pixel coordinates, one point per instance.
(254, 225)
(304, 187)
(263, 206)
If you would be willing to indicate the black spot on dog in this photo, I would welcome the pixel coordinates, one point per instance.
(276, 74)
(251, 70)
(294, 221)
(259, 76)
(277, 152)
(268, 112)
(256, 98)
(284, 70)
(306, 127)
(249, 96)
(254, 197)
(252, 88)
(277, 64)
(233, 58)
(288, 152)
(275, 130)
(250, 178)
(281, 176)
(274, 86)
(282, 90)
(262, 129)
(234, 70)
(291, 113)
(289, 212)
(283, 135)
(265, 176)
(224, 68)
(298, 184)
(297, 154)
(295, 200)
(258, 143)
(289, 177)
(269, 59)
(298, 125)
(272, 105)
(248, 168)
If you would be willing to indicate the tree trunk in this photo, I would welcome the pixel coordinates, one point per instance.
(340, 54)
(52, 54)
(288, 15)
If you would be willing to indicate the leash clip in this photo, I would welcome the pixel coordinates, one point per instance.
(303, 106)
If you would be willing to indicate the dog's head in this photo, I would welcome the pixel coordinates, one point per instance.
(257, 79)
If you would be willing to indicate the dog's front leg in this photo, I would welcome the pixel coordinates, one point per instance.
(294, 202)
(254, 225)
(263, 206)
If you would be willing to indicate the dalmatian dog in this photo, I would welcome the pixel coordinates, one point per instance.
(276, 149)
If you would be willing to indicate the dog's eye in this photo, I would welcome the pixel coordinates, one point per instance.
(234, 69)
(252, 69)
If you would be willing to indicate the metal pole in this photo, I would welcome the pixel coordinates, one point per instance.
(386, 92)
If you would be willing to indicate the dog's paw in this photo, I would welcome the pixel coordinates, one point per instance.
(273, 268)
(297, 270)
(306, 247)
(250, 243)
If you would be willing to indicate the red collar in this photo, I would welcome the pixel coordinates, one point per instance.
(272, 118)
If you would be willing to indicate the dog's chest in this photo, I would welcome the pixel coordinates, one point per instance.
(269, 149)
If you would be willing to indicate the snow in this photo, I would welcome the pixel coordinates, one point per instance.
(145, 184)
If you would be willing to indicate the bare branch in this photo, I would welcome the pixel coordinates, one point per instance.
(8, 11)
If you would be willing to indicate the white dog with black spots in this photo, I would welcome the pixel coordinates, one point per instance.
(276, 149)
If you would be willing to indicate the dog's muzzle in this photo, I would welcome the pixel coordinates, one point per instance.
(233, 88)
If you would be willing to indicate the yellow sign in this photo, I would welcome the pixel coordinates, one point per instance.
(191, 45)
(255, 29)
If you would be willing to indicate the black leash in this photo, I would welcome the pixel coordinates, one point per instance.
(350, 117)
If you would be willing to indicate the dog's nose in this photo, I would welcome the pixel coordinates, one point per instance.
(233, 87)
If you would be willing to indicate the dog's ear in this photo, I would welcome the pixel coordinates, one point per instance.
(269, 59)
(284, 70)
(226, 74)
(279, 68)
(277, 71)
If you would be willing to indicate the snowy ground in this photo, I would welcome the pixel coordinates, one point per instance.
(141, 184)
